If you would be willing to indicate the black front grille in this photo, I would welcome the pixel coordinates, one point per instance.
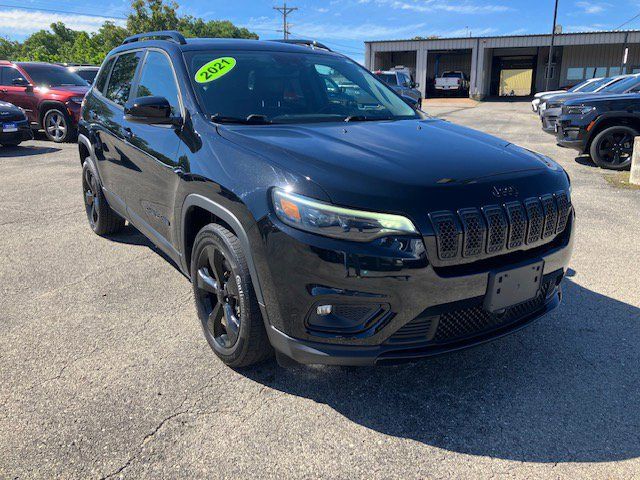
(494, 228)
(446, 234)
(417, 330)
(475, 320)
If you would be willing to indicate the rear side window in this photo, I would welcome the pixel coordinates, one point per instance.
(157, 80)
(9, 74)
(104, 74)
(121, 78)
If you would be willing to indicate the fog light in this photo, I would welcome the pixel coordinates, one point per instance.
(324, 309)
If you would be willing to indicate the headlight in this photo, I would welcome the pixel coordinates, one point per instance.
(77, 99)
(337, 222)
(577, 109)
(543, 106)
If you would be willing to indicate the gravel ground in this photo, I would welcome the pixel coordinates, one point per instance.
(105, 372)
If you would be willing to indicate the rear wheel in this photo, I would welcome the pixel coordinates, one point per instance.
(612, 148)
(226, 302)
(102, 219)
(58, 126)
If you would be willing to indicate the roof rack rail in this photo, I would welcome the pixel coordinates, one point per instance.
(163, 35)
(308, 43)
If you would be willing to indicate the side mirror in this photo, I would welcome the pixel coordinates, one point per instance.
(150, 110)
(22, 82)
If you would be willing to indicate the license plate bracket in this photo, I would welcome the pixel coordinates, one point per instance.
(513, 286)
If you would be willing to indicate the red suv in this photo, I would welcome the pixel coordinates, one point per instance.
(49, 94)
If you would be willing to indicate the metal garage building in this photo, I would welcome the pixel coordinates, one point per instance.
(511, 65)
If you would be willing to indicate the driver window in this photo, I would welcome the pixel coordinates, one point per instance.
(9, 74)
(157, 80)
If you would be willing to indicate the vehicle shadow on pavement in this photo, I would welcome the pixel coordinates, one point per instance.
(586, 161)
(566, 389)
(26, 151)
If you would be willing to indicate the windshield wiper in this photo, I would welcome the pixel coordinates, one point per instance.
(253, 119)
(364, 118)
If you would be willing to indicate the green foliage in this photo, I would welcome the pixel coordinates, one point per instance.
(61, 44)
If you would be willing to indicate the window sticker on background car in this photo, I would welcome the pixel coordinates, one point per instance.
(215, 69)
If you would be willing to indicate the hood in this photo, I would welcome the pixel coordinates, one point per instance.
(565, 97)
(64, 90)
(604, 98)
(549, 93)
(368, 162)
(8, 107)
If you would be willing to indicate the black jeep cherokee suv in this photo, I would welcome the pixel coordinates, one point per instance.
(603, 127)
(336, 227)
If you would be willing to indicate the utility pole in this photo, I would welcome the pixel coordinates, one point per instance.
(284, 10)
(553, 39)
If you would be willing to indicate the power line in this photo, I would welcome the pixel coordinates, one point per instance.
(628, 21)
(62, 11)
(285, 12)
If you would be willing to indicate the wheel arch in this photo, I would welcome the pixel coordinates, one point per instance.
(47, 105)
(198, 211)
(607, 121)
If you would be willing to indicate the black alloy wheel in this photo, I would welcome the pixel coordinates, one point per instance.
(225, 299)
(613, 147)
(91, 197)
(218, 293)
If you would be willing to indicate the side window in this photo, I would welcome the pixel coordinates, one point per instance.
(101, 80)
(9, 74)
(157, 80)
(122, 77)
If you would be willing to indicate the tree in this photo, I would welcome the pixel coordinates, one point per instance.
(62, 44)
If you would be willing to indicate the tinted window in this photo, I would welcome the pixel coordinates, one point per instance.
(451, 75)
(104, 74)
(87, 75)
(388, 78)
(122, 77)
(404, 80)
(44, 74)
(157, 80)
(622, 85)
(593, 86)
(8, 74)
(285, 87)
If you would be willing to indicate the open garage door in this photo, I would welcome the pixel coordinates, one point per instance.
(515, 82)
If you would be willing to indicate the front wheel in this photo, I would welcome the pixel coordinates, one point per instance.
(102, 219)
(612, 148)
(58, 126)
(226, 302)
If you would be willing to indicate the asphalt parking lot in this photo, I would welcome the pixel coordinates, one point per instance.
(105, 372)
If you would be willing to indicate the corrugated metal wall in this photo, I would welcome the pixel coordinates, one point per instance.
(600, 57)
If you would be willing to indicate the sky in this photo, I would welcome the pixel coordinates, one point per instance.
(345, 24)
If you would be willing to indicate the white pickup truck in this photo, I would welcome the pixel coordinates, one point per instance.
(452, 82)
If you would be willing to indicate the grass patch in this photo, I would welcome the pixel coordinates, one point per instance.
(621, 180)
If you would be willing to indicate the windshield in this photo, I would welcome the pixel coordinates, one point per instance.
(388, 78)
(88, 75)
(52, 75)
(593, 86)
(283, 87)
(622, 85)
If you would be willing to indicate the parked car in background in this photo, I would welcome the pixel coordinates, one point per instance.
(584, 86)
(602, 126)
(452, 82)
(86, 72)
(400, 80)
(49, 94)
(331, 228)
(553, 105)
(14, 126)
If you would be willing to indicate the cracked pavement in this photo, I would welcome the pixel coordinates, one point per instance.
(105, 373)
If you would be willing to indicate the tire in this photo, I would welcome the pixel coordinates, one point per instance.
(225, 300)
(58, 126)
(102, 219)
(612, 148)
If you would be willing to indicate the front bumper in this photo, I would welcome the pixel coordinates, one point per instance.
(572, 132)
(23, 133)
(549, 118)
(415, 308)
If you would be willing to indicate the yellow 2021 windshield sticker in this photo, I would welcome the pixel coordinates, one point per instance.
(215, 69)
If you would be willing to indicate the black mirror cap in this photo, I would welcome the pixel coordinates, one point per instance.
(149, 110)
